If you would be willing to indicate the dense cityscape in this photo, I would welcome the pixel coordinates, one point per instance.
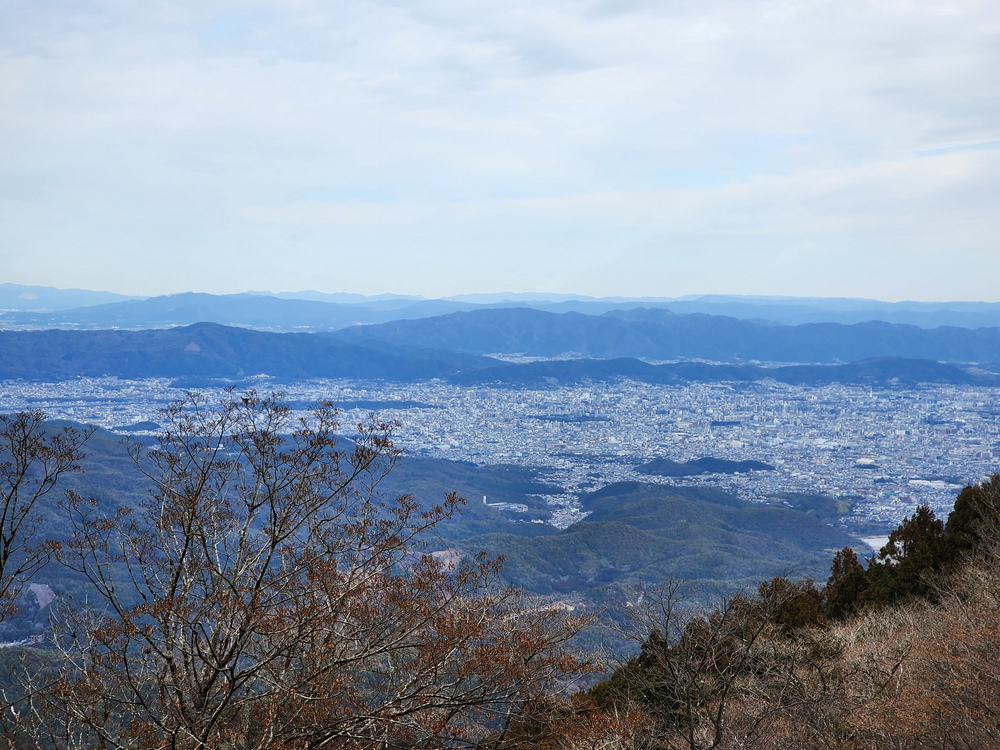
(886, 449)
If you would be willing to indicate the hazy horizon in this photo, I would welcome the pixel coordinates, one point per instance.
(490, 297)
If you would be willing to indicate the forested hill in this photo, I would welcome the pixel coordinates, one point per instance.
(210, 350)
(661, 334)
(114, 481)
(642, 533)
(207, 350)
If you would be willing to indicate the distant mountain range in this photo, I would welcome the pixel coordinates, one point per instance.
(221, 353)
(650, 333)
(307, 335)
(46, 307)
(263, 312)
(46, 298)
(798, 310)
(662, 335)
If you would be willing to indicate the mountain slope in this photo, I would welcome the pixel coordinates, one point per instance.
(661, 334)
(209, 350)
(21, 298)
(260, 311)
(206, 350)
(639, 533)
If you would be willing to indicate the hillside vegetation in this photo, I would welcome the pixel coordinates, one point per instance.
(115, 483)
(639, 533)
(635, 532)
(265, 594)
(897, 654)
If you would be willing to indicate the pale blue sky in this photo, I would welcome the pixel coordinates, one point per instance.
(834, 148)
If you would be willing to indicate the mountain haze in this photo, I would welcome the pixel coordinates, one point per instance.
(18, 297)
(260, 311)
(46, 307)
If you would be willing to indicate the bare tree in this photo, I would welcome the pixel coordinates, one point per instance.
(32, 459)
(267, 596)
(691, 662)
(715, 677)
(835, 694)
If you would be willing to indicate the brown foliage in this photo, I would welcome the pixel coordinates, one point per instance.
(950, 696)
(740, 675)
(267, 596)
(576, 723)
(923, 675)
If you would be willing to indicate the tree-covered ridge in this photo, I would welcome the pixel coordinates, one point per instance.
(664, 467)
(919, 549)
(661, 334)
(900, 653)
(640, 533)
(211, 351)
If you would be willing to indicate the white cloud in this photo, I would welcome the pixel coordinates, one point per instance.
(608, 148)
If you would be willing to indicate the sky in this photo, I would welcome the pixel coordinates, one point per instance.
(605, 148)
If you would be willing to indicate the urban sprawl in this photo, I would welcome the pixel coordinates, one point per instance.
(889, 449)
